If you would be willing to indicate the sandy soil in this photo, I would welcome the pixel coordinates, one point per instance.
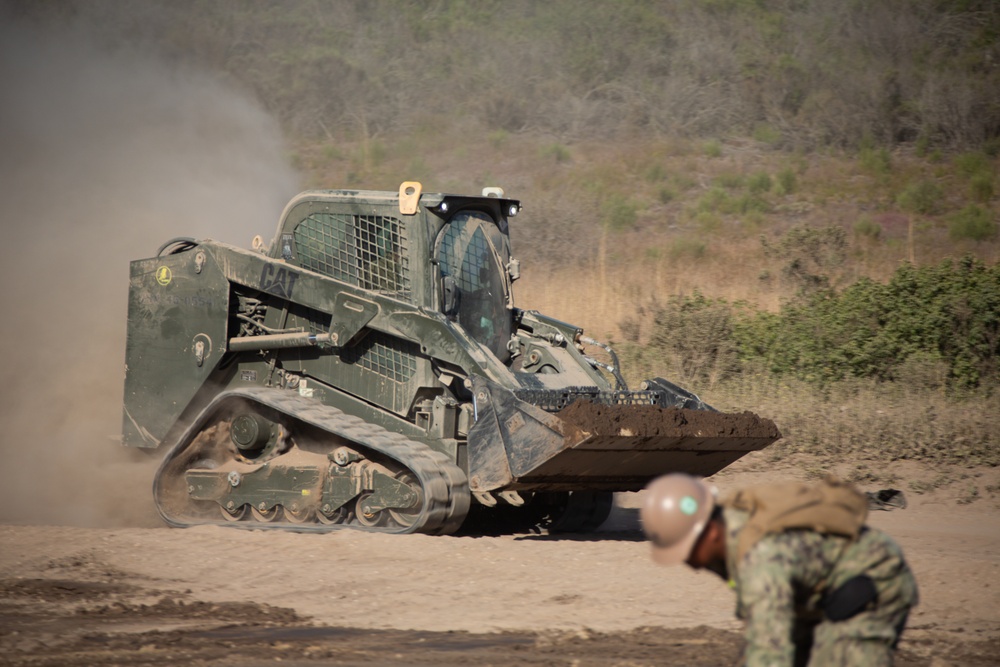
(146, 594)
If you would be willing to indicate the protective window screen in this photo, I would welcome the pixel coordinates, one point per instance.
(370, 251)
(465, 257)
(466, 254)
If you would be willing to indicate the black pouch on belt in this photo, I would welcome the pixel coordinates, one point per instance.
(850, 599)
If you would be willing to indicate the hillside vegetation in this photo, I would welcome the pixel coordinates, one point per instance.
(794, 73)
(790, 206)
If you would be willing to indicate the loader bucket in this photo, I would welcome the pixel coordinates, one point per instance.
(590, 445)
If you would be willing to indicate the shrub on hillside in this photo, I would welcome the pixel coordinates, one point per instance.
(973, 163)
(787, 181)
(691, 338)
(923, 197)
(807, 254)
(618, 213)
(789, 74)
(981, 187)
(868, 228)
(947, 314)
(875, 160)
(935, 326)
(972, 222)
(759, 183)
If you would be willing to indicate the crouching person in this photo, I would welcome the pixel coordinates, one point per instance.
(814, 584)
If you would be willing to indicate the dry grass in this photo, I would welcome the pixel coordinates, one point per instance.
(868, 422)
(686, 237)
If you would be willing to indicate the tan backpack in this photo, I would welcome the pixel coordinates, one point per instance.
(829, 507)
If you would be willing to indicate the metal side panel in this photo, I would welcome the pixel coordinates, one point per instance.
(177, 313)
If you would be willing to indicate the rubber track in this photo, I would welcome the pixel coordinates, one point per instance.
(445, 486)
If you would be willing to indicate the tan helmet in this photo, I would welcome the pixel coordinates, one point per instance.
(676, 510)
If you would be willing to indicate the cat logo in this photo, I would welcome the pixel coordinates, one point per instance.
(163, 275)
(278, 281)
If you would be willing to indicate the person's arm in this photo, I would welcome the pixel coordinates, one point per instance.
(768, 602)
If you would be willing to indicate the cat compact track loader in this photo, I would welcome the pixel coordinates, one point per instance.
(368, 368)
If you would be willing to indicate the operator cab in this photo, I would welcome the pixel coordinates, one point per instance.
(475, 268)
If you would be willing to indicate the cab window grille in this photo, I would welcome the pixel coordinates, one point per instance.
(369, 251)
(464, 256)
(386, 355)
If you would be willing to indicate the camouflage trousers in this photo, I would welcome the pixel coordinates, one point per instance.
(869, 639)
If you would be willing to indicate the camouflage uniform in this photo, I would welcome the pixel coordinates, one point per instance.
(780, 583)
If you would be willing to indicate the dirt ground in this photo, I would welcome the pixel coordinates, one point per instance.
(144, 594)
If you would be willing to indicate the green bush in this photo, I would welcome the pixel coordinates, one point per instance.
(332, 152)
(714, 200)
(923, 197)
(903, 370)
(697, 334)
(935, 326)
(808, 254)
(655, 173)
(686, 246)
(556, 152)
(970, 164)
(498, 138)
(972, 222)
(947, 314)
(708, 222)
(875, 160)
(767, 134)
(992, 146)
(759, 183)
(730, 181)
(618, 213)
(666, 195)
(922, 145)
(981, 187)
(376, 153)
(749, 203)
(868, 228)
(787, 181)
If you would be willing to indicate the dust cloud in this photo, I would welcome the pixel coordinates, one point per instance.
(105, 153)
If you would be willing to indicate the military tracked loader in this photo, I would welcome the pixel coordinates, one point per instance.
(368, 368)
